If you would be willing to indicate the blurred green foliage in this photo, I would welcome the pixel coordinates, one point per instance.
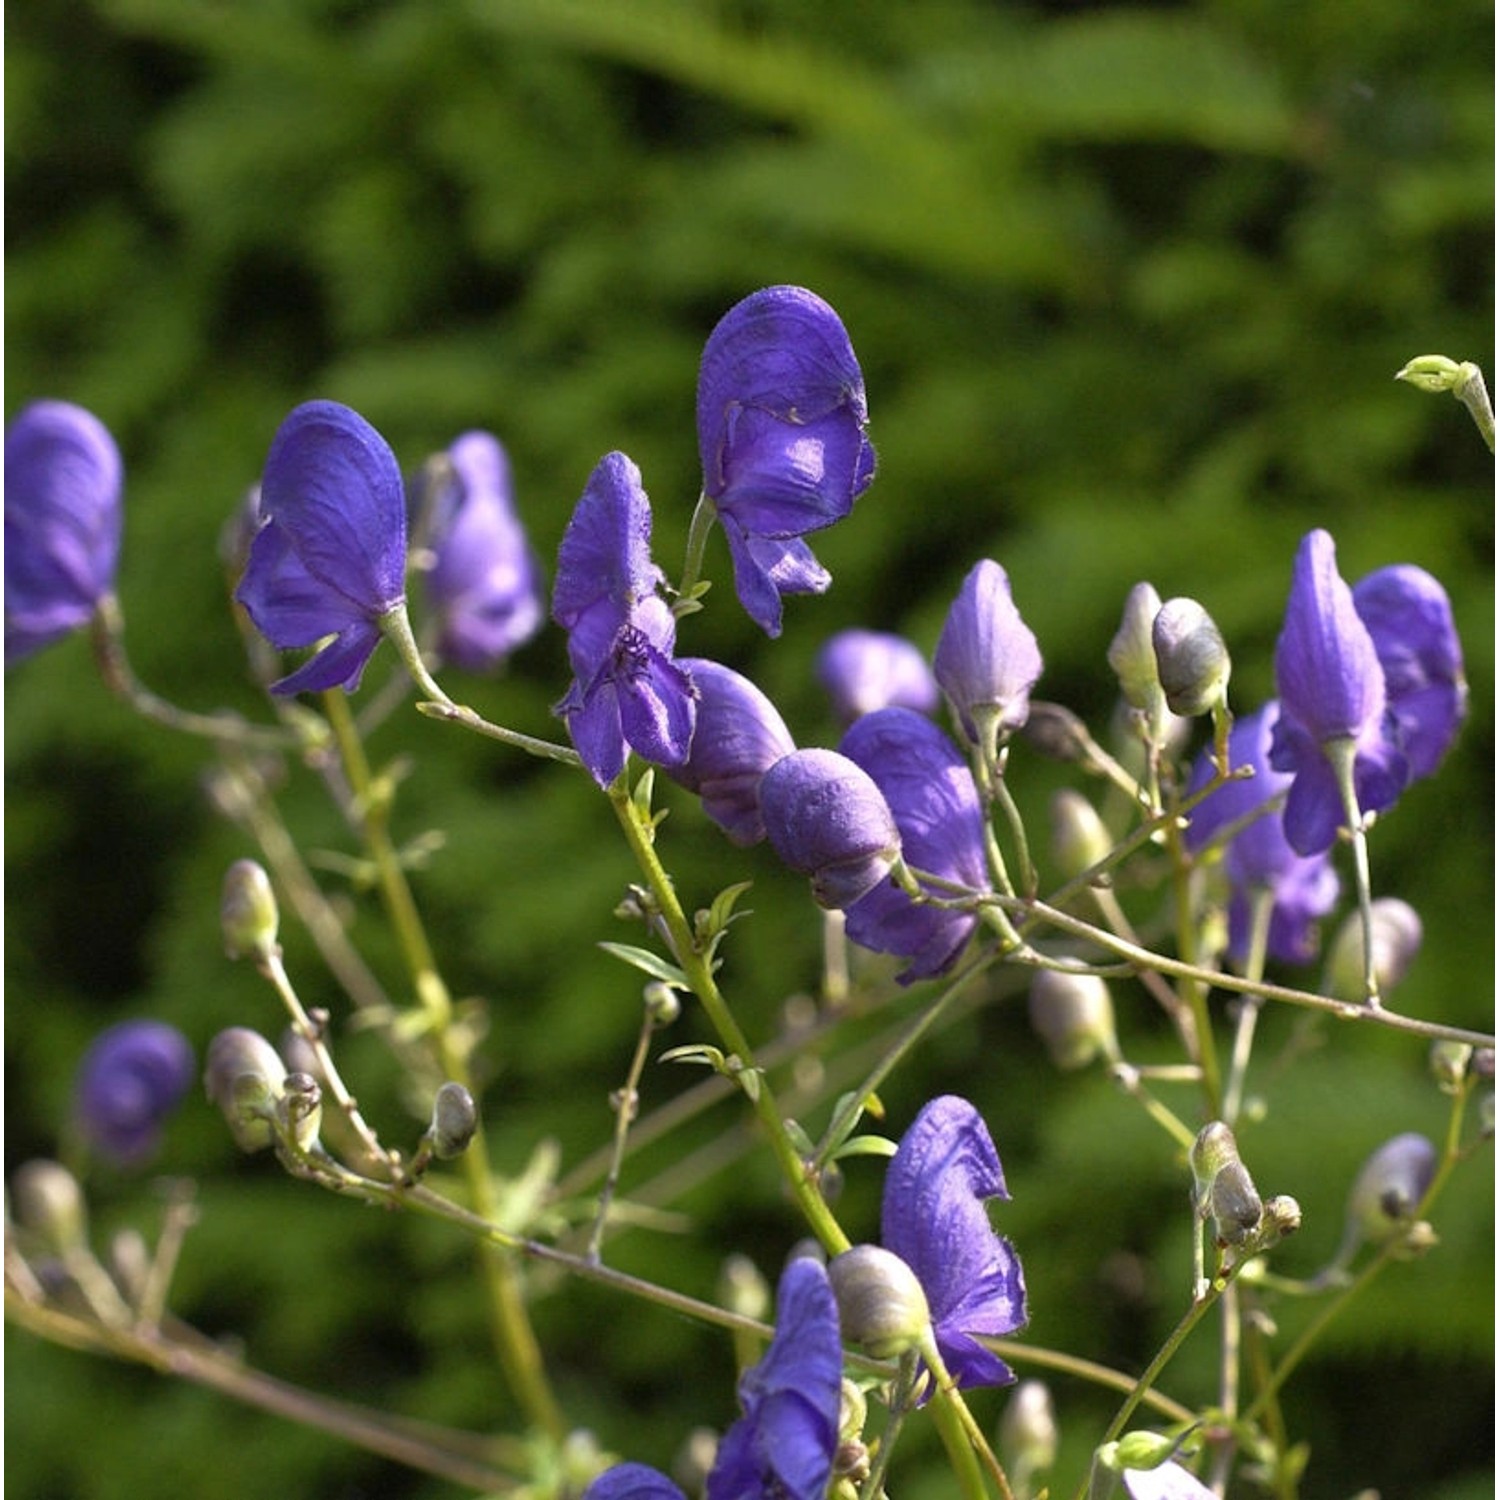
(1129, 284)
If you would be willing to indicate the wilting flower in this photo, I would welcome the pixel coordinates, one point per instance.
(62, 523)
(784, 1444)
(863, 670)
(781, 432)
(627, 690)
(1332, 691)
(738, 737)
(129, 1082)
(933, 1216)
(330, 556)
(827, 819)
(930, 791)
(987, 659)
(1410, 620)
(1257, 857)
(485, 584)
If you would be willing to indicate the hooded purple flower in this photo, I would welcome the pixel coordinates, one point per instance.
(62, 523)
(130, 1080)
(1331, 687)
(485, 584)
(987, 659)
(827, 819)
(330, 555)
(1407, 613)
(627, 690)
(1258, 857)
(781, 432)
(933, 1217)
(862, 670)
(738, 737)
(931, 793)
(633, 1482)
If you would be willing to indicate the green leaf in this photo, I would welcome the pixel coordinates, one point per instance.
(649, 963)
(866, 1145)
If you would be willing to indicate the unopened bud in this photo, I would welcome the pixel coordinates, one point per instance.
(1133, 658)
(1396, 937)
(1142, 1450)
(742, 1289)
(130, 1263)
(1028, 1430)
(1235, 1205)
(1282, 1215)
(1384, 1199)
(299, 1111)
(49, 1202)
(1073, 1016)
(248, 916)
(882, 1306)
(662, 1004)
(1449, 1062)
(1079, 838)
(1213, 1150)
(245, 1077)
(455, 1118)
(1192, 661)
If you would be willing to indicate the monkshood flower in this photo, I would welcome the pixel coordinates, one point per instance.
(1333, 702)
(827, 819)
(1168, 1481)
(739, 736)
(62, 523)
(987, 659)
(863, 670)
(485, 583)
(627, 690)
(129, 1082)
(784, 1444)
(930, 791)
(330, 556)
(781, 432)
(1410, 620)
(1258, 858)
(933, 1216)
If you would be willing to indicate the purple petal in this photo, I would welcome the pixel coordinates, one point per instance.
(987, 657)
(864, 670)
(658, 708)
(632, 1482)
(765, 568)
(606, 551)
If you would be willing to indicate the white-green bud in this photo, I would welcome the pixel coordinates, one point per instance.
(455, 1118)
(1079, 838)
(882, 1306)
(742, 1289)
(1213, 1150)
(1383, 1201)
(1449, 1062)
(49, 1202)
(1028, 1430)
(663, 1005)
(248, 917)
(1192, 661)
(130, 1263)
(1281, 1216)
(1141, 1450)
(245, 1077)
(299, 1111)
(1396, 937)
(1133, 658)
(1073, 1016)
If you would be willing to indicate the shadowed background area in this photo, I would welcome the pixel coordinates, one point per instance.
(1128, 285)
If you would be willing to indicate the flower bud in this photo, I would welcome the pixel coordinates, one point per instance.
(1235, 1205)
(245, 1077)
(247, 911)
(1396, 933)
(299, 1111)
(1449, 1063)
(1079, 838)
(1073, 1016)
(742, 1289)
(1028, 1431)
(662, 1004)
(882, 1306)
(49, 1202)
(1141, 1450)
(130, 1263)
(1281, 1216)
(1213, 1150)
(1390, 1185)
(1133, 658)
(455, 1118)
(1192, 661)
(864, 670)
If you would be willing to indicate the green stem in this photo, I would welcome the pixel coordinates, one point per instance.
(1341, 755)
(956, 1427)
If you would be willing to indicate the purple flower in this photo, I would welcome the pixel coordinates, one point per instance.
(130, 1080)
(931, 794)
(1407, 613)
(627, 690)
(485, 584)
(827, 819)
(1258, 857)
(330, 556)
(1332, 689)
(987, 659)
(1168, 1481)
(62, 523)
(739, 736)
(781, 431)
(632, 1482)
(933, 1216)
(862, 670)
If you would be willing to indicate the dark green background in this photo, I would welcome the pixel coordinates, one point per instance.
(1128, 285)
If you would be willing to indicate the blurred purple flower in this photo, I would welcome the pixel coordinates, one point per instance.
(62, 523)
(330, 555)
(862, 670)
(1332, 689)
(738, 737)
(632, 1482)
(827, 819)
(485, 584)
(130, 1080)
(987, 659)
(1410, 620)
(933, 1216)
(1258, 857)
(627, 690)
(781, 432)
(931, 794)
